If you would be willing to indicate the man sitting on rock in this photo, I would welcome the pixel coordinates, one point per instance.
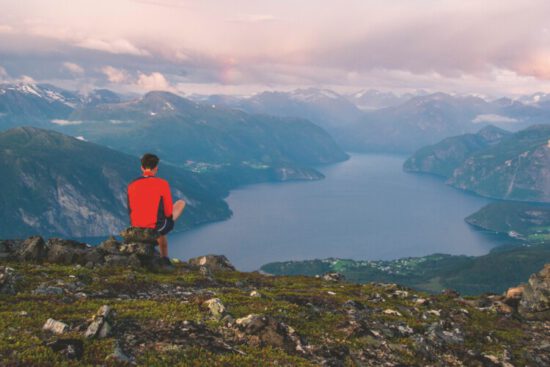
(150, 203)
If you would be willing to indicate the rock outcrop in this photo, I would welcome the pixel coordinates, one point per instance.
(136, 250)
(535, 299)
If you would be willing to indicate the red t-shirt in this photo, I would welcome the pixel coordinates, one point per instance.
(149, 201)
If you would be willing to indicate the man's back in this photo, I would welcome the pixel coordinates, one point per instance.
(149, 201)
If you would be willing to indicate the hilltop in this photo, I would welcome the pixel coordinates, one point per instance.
(122, 309)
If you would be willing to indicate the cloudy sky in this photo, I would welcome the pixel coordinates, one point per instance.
(495, 47)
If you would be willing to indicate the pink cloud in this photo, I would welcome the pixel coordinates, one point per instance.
(153, 81)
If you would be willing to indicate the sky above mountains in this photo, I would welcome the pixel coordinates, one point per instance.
(244, 46)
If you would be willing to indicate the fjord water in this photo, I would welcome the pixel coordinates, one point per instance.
(366, 208)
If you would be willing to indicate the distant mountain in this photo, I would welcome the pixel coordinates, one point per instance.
(182, 131)
(323, 107)
(443, 158)
(373, 99)
(41, 104)
(58, 185)
(29, 103)
(420, 121)
(515, 169)
(492, 163)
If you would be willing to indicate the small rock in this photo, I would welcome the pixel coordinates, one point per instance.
(100, 326)
(334, 277)
(392, 312)
(212, 262)
(93, 329)
(216, 307)
(421, 301)
(434, 312)
(8, 279)
(331, 293)
(401, 294)
(56, 327)
(255, 293)
(119, 356)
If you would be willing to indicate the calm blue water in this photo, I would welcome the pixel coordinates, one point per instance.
(366, 208)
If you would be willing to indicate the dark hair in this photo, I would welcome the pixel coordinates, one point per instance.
(149, 161)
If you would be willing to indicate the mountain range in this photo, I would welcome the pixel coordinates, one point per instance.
(365, 121)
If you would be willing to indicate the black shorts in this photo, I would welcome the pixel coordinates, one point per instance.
(165, 226)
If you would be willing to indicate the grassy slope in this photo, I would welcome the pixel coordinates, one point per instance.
(289, 299)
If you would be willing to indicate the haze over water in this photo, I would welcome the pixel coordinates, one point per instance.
(366, 208)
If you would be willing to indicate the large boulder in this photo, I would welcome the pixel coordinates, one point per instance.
(32, 249)
(140, 235)
(212, 262)
(535, 300)
(68, 252)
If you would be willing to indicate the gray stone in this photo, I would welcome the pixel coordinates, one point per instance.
(32, 249)
(62, 251)
(56, 327)
(216, 307)
(141, 249)
(142, 235)
(535, 300)
(119, 356)
(110, 246)
(334, 277)
(100, 326)
(8, 280)
(212, 262)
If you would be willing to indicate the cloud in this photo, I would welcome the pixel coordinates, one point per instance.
(253, 18)
(115, 75)
(493, 118)
(4, 28)
(117, 46)
(153, 81)
(73, 68)
(65, 122)
(26, 79)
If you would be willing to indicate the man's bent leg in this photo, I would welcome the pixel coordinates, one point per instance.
(163, 246)
(178, 209)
